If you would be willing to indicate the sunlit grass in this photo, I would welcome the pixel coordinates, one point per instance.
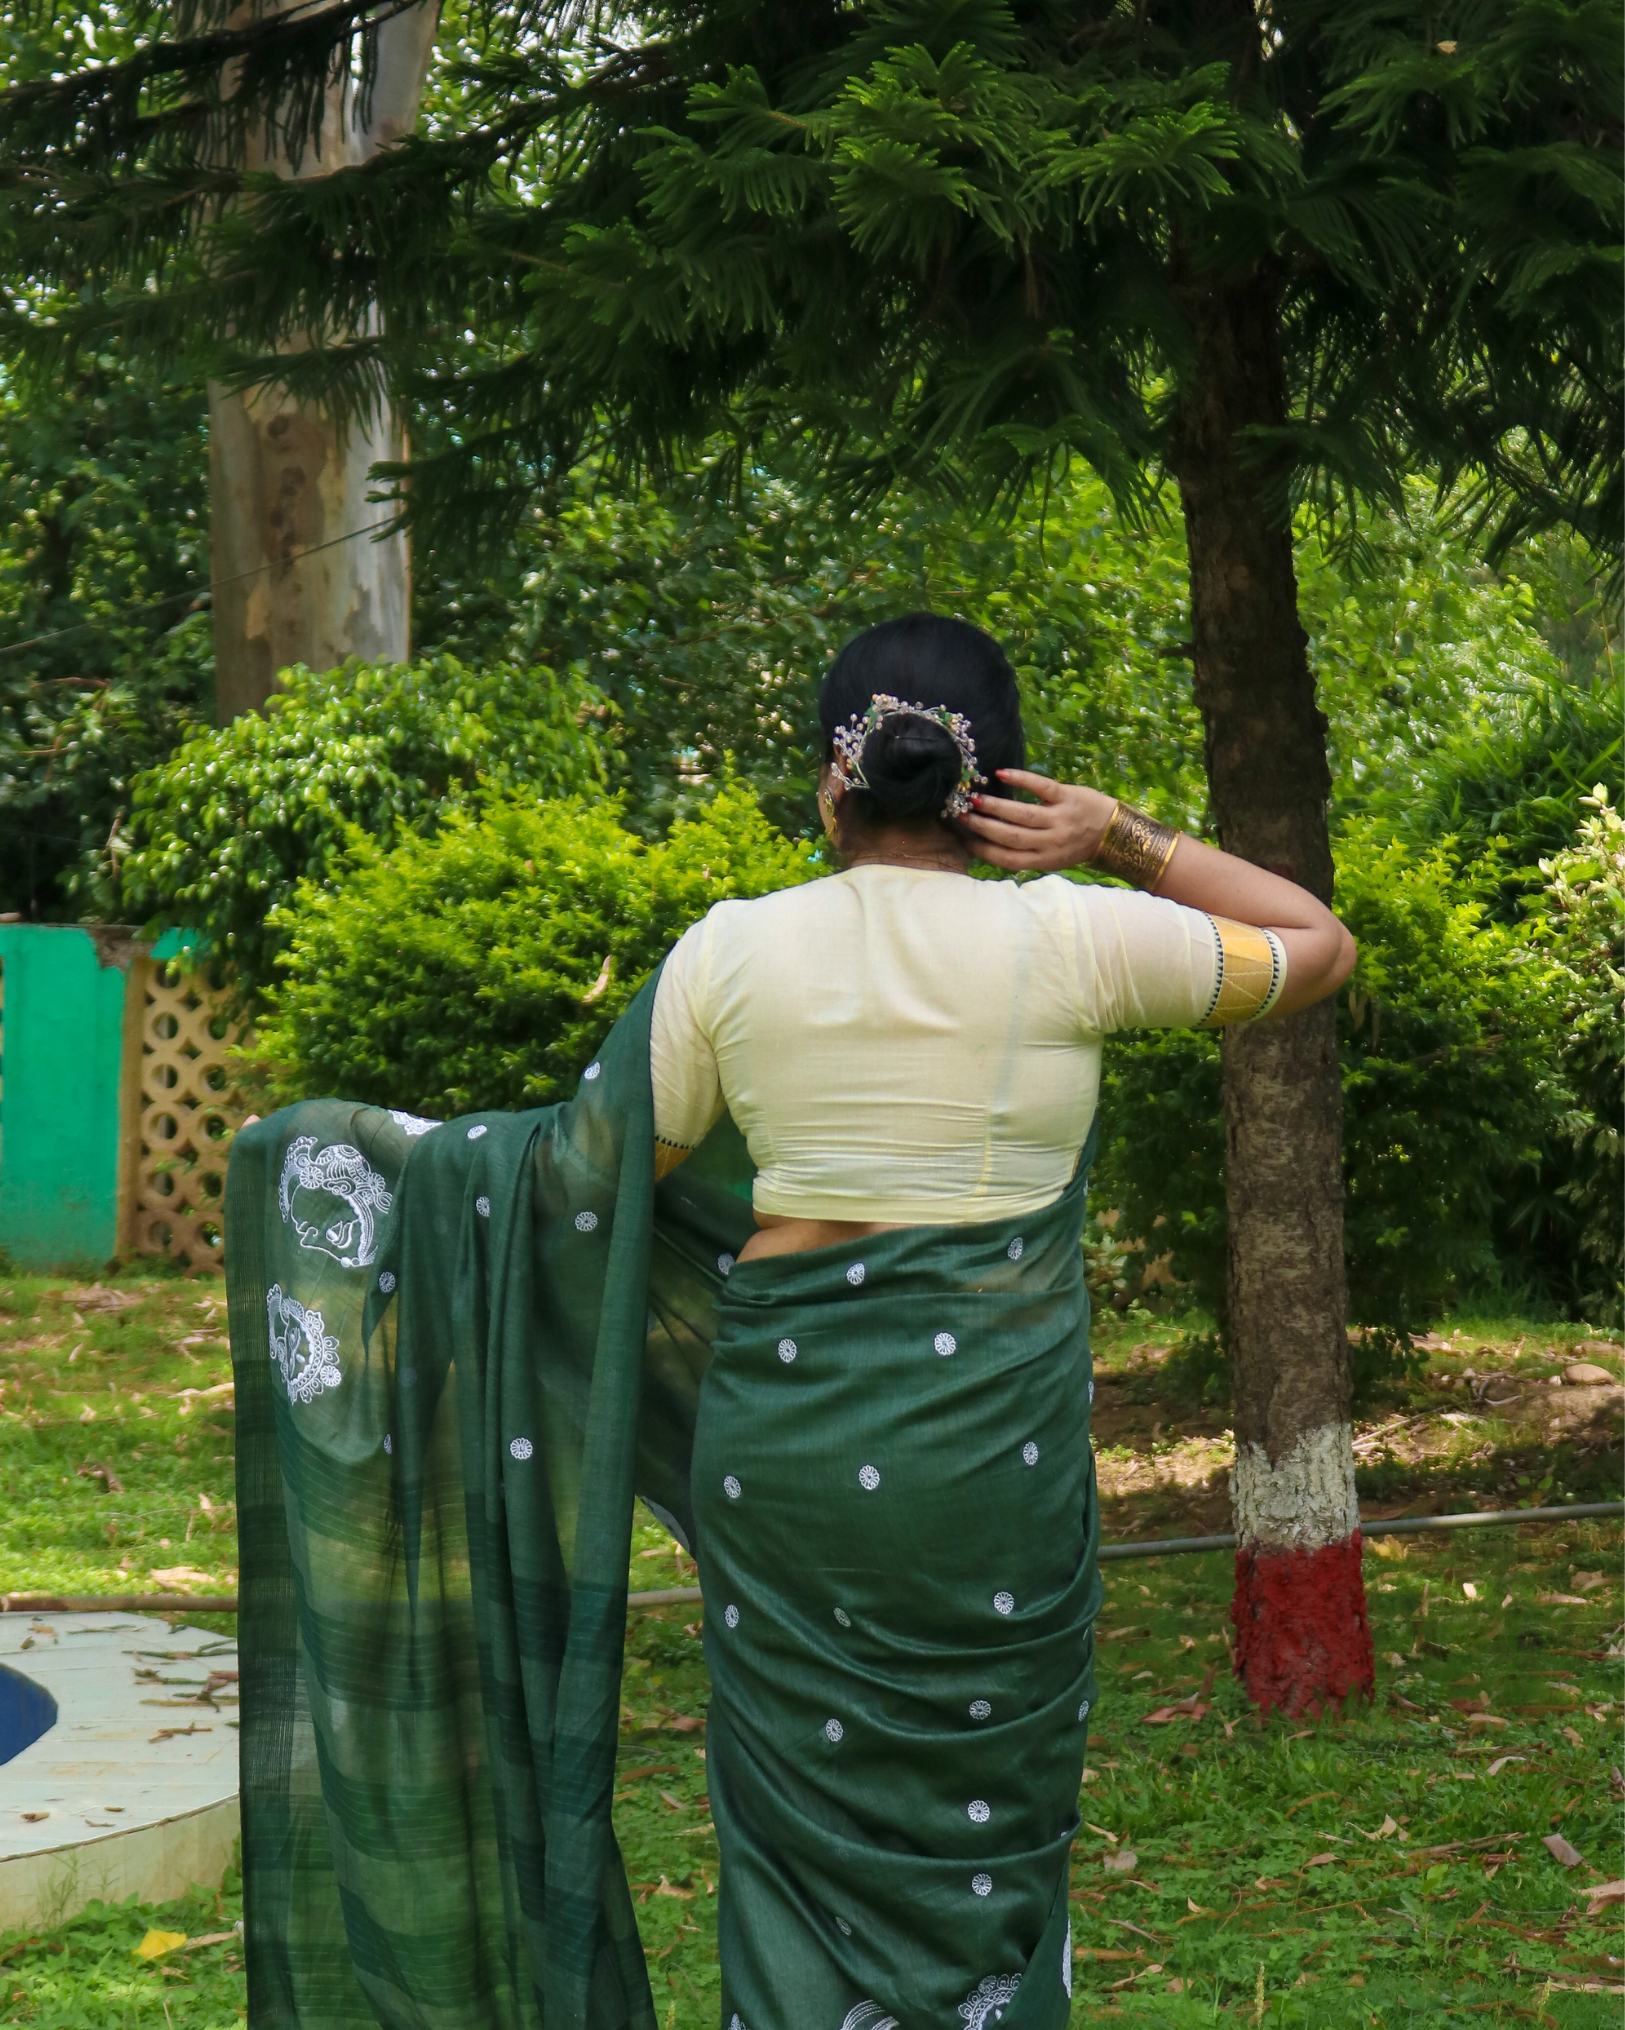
(1257, 1848)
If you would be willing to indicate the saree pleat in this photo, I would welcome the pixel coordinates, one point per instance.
(461, 1351)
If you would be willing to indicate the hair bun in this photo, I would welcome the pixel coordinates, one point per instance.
(911, 767)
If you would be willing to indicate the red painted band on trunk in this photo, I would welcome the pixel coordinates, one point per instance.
(1302, 1638)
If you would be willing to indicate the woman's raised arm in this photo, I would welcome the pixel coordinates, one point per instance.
(1065, 827)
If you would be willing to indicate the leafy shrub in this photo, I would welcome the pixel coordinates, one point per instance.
(1510, 780)
(1448, 1042)
(224, 830)
(483, 966)
(1573, 1204)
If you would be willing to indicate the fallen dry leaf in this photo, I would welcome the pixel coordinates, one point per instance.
(1560, 1600)
(1469, 1589)
(1394, 1660)
(1319, 1860)
(1199, 1910)
(34, 1817)
(1386, 1830)
(1487, 1720)
(1501, 1762)
(1123, 1862)
(1112, 1837)
(1507, 1602)
(1573, 1736)
(93, 1469)
(1560, 1850)
(1587, 1582)
(157, 1943)
(180, 1577)
(1603, 1894)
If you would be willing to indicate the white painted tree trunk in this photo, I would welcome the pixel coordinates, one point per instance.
(286, 482)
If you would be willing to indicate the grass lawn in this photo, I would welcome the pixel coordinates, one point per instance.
(1386, 1867)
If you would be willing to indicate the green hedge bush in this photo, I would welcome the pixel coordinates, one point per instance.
(1450, 1045)
(483, 966)
(225, 829)
(1573, 1196)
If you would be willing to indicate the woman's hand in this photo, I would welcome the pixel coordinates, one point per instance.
(1063, 829)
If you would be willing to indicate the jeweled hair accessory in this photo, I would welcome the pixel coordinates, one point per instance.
(850, 739)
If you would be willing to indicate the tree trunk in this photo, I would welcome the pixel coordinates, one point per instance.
(1299, 1607)
(295, 581)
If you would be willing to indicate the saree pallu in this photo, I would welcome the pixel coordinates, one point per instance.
(461, 1351)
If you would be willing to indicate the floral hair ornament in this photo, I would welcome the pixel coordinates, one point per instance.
(851, 739)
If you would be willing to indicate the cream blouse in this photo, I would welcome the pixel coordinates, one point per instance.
(897, 1044)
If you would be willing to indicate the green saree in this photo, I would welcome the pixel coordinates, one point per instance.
(460, 1355)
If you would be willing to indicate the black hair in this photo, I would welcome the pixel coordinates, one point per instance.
(912, 766)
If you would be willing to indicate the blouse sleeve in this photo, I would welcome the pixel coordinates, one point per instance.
(1147, 963)
(682, 1062)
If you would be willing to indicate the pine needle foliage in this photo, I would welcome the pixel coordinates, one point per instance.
(948, 242)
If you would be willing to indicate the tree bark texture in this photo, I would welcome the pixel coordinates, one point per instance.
(1299, 1607)
(294, 580)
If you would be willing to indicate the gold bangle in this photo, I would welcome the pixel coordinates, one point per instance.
(1135, 847)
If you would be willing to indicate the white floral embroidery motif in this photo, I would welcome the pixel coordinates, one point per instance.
(945, 1343)
(869, 1478)
(1091, 1389)
(725, 1263)
(867, 2015)
(986, 2005)
(730, 1614)
(386, 1282)
(483, 1207)
(1083, 1710)
(585, 1222)
(315, 1183)
(731, 1487)
(833, 1730)
(1016, 1249)
(1029, 1453)
(787, 1351)
(302, 1347)
(1066, 1960)
(479, 1128)
(1005, 1603)
(983, 1885)
(856, 1274)
(521, 1448)
(843, 1927)
(843, 1617)
(412, 1124)
(978, 1811)
(592, 1070)
(389, 1442)
(980, 1709)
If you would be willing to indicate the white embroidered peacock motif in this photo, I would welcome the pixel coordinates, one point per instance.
(329, 1196)
(302, 1347)
(983, 2008)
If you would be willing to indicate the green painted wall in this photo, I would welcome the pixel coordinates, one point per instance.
(59, 1095)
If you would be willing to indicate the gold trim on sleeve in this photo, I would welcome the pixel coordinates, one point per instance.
(1251, 973)
(667, 1157)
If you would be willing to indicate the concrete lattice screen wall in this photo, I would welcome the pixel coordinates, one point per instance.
(117, 1105)
(178, 1086)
